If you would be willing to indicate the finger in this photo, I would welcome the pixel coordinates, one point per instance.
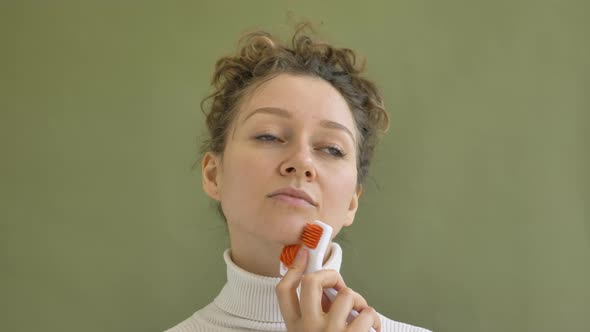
(326, 303)
(366, 319)
(345, 302)
(312, 285)
(286, 289)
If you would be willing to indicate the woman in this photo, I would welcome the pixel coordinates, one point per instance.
(292, 132)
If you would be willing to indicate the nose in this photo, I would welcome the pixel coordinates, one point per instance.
(300, 164)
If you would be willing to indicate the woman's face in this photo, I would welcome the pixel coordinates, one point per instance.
(293, 136)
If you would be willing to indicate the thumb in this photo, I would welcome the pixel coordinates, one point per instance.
(300, 262)
(287, 288)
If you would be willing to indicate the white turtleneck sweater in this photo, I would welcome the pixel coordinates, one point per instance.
(248, 302)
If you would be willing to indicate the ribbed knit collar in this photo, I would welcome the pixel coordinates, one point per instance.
(253, 297)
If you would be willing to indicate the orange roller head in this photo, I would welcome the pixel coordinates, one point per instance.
(310, 238)
(288, 254)
(311, 235)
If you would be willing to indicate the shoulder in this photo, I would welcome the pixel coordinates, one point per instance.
(389, 325)
(197, 322)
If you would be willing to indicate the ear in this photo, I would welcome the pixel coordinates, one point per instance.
(353, 206)
(211, 168)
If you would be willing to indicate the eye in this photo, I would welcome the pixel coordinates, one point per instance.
(267, 138)
(334, 150)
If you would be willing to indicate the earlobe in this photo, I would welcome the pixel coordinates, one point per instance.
(210, 171)
(353, 206)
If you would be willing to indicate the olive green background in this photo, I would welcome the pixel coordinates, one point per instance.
(476, 216)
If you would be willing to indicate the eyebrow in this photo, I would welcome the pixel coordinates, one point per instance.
(286, 114)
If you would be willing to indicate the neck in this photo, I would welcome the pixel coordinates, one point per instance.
(255, 257)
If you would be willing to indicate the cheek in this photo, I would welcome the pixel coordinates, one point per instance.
(340, 189)
(242, 174)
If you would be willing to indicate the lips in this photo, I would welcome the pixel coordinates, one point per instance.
(294, 193)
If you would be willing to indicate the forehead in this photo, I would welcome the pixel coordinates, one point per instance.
(304, 96)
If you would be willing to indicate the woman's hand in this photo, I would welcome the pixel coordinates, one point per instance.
(314, 313)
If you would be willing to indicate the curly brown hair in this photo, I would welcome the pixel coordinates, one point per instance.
(261, 57)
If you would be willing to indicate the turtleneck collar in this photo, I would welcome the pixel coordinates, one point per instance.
(253, 297)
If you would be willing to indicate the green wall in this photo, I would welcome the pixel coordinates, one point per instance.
(476, 217)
